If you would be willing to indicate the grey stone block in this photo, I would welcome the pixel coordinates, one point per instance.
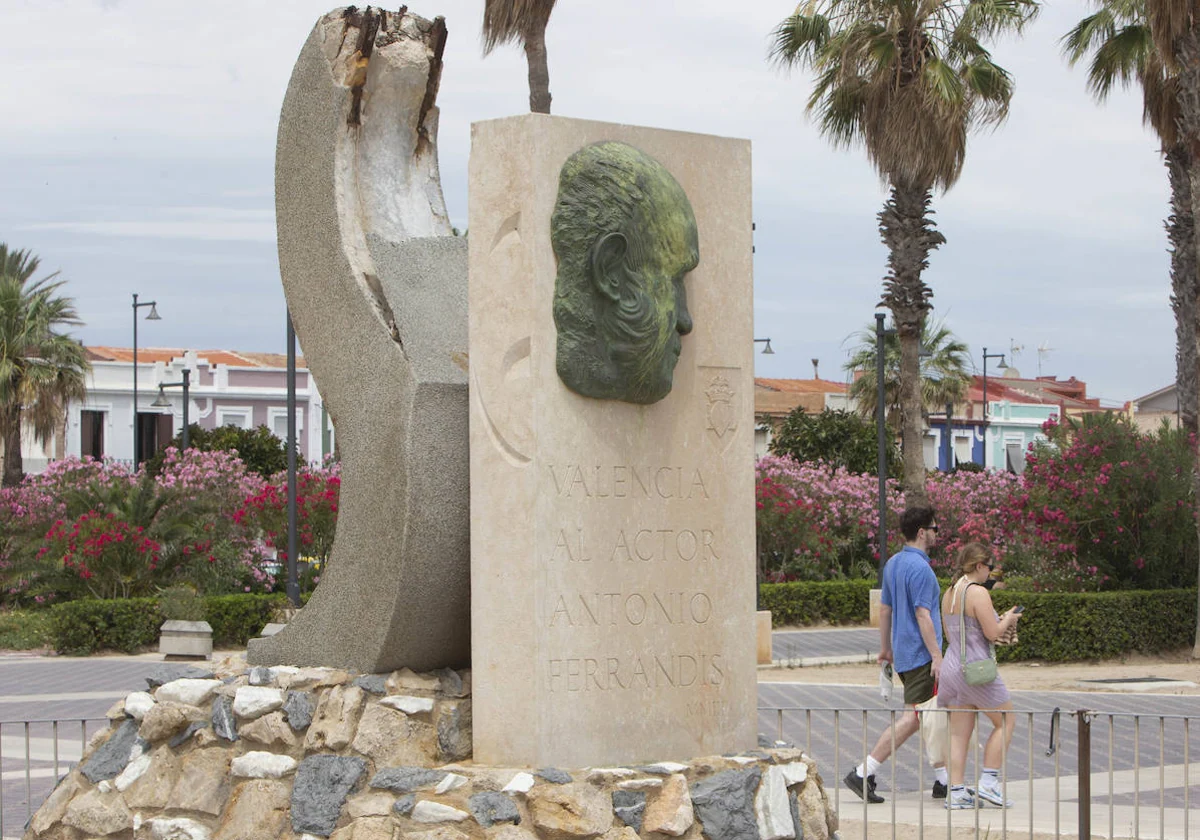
(491, 807)
(794, 804)
(223, 723)
(261, 675)
(450, 683)
(724, 804)
(554, 776)
(191, 730)
(299, 708)
(405, 804)
(406, 779)
(376, 286)
(454, 732)
(169, 673)
(110, 759)
(322, 784)
(630, 807)
(372, 683)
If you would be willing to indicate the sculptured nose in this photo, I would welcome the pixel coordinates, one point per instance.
(683, 318)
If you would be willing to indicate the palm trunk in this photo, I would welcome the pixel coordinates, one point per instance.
(1181, 235)
(14, 465)
(539, 70)
(908, 231)
(1187, 92)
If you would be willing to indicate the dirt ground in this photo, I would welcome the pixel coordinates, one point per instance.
(1027, 676)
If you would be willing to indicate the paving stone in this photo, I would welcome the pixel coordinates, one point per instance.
(322, 784)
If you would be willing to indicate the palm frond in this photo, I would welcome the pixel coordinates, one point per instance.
(508, 21)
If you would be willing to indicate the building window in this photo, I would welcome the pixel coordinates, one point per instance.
(239, 417)
(91, 434)
(962, 449)
(278, 418)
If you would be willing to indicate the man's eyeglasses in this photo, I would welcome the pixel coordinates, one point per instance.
(933, 528)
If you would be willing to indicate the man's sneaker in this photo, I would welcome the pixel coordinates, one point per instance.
(993, 795)
(959, 800)
(855, 783)
(939, 790)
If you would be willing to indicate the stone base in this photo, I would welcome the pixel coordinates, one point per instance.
(876, 594)
(264, 753)
(191, 639)
(763, 626)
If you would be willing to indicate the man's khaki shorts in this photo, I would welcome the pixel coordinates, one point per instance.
(918, 684)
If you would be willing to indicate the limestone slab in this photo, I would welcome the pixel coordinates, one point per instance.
(563, 812)
(376, 286)
(669, 809)
(613, 580)
(257, 811)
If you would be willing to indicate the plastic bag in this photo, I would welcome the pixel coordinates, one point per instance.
(935, 729)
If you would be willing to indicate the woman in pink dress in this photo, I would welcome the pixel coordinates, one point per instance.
(970, 598)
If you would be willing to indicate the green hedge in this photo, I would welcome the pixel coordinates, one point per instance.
(82, 627)
(1056, 626)
(814, 602)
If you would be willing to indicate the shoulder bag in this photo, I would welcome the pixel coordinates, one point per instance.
(982, 671)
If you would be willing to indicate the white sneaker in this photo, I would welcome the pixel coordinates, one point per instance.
(958, 800)
(993, 795)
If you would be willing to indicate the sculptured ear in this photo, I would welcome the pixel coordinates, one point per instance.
(608, 264)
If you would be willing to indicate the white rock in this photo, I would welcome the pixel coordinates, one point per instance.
(137, 820)
(771, 808)
(520, 783)
(189, 692)
(137, 704)
(262, 765)
(665, 767)
(743, 759)
(284, 671)
(609, 774)
(104, 786)
(178, 829)
(254, 701)
(451, 781)
(132, 772)
(436, 812)
(640, 784)
(408, 704)
(794, 773)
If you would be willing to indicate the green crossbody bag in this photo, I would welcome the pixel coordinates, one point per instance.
(981, 671)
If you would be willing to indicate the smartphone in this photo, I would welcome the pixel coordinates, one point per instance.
(1018, 609)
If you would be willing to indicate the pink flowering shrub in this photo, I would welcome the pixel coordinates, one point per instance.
(1103, 504)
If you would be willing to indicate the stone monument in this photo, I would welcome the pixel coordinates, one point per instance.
(612, 490)
(376, 286)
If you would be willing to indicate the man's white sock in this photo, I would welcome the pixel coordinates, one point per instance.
(872, 766)
(940, 775)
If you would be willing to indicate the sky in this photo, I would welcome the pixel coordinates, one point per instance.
(138, 157)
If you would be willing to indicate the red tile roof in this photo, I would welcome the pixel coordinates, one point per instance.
(230, 358)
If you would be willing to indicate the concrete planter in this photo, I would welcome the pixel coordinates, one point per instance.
(185, 638)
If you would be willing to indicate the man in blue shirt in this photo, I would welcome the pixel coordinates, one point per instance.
(910, 638)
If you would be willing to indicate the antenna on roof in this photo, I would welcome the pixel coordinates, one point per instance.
(1043, 351)
(1014, 350)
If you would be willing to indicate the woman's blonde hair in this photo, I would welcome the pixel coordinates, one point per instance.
(972, 556)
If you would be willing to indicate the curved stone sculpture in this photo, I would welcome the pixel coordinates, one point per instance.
(376, 286)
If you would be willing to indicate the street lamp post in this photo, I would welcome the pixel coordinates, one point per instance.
(1001, 366)
(161, 401)
(152, 315)
(767, 351)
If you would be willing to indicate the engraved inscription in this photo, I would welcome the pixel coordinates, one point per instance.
(613, 673)
(633, 609)
(644, 544)
(621, 481)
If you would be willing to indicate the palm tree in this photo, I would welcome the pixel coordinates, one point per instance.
(40, 367)
(944, 377)
(522, 22)
(909, 81)
(1118, 40)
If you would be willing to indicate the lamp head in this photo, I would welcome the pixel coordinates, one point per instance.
(767, 351)
(1001, 366)
(161, 400)
(153, 316)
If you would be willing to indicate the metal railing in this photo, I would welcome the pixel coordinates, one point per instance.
(1112, 775)
(34, 755)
